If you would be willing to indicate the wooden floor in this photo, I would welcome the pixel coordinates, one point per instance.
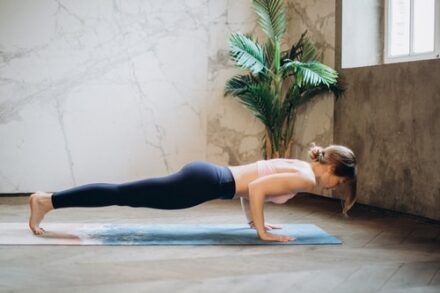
(381, 251)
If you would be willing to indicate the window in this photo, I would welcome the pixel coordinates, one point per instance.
(412, 30)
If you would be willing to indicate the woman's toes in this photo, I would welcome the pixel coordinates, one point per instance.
(39, 231)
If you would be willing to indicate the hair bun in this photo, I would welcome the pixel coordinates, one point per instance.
(316, 153)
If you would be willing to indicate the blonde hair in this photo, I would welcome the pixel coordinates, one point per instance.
(344, 162)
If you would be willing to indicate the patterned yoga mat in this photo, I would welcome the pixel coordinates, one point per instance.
(157, 234)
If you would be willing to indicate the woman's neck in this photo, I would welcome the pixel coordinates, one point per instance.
(317, 170)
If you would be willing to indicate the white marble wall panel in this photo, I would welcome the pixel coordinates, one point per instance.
(100, 91)
(233, 134)
(314, 122)
(318, 18)
(111, 91)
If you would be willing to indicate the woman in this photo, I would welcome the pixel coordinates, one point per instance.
(275, 180)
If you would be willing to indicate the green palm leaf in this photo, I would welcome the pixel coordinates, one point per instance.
(269, 51)
(271, 17)
(304, 50)
(271, 71)
(308, 51)
(297, 96)
(310, 73)
(238, 85)
(292, 95)
(259, 99)
(247, 53)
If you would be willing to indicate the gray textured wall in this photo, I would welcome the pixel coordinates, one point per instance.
(390, 118)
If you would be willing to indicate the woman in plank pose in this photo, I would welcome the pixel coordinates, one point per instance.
(274, 180)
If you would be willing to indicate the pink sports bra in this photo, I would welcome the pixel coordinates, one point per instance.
(265, 169)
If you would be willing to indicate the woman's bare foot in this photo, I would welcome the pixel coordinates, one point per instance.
(40, 203)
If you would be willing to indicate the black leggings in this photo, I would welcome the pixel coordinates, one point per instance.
(194, 184)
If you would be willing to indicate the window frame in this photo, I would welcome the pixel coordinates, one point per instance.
(412, 56)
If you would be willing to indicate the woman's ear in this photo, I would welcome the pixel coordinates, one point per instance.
(331, 169)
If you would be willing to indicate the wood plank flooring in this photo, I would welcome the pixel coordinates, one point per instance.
(382, 251)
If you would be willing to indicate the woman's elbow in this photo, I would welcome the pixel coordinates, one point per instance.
(255, 191)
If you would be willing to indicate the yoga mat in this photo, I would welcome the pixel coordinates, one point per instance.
(157, 234)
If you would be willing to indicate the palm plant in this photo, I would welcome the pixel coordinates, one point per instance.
(277, 82)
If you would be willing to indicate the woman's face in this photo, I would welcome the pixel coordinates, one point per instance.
(331, 181)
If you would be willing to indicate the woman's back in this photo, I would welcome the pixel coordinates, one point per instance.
(244, 174)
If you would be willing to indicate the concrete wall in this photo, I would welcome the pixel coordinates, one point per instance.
(390, 118)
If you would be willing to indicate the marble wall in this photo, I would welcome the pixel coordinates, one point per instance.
(233, 134)
(111, 91)
(314, 122)
(97, 91)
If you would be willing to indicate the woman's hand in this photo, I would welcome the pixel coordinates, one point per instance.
(276, 237)
(267, 226)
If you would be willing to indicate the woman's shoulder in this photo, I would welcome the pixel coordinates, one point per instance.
(304, 169)
(287, 160)
(289, 163)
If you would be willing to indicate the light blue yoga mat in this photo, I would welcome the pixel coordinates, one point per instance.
(160, 234)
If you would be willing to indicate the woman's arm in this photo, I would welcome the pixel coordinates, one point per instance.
(246, 209)
(247, 212)
(272, 185)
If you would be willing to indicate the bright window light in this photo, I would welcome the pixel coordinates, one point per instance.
(400, 27)
(412, 30)
(424, 14)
